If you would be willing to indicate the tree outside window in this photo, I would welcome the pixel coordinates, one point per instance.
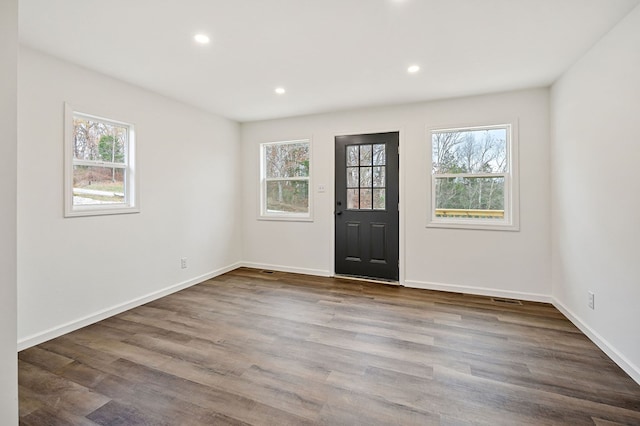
(285, 179)
(100, 173)
(471, 175)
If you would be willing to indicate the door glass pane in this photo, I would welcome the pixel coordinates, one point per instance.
(365, 177)
(352, 177)
(365, 198)
(379, 155)
(353, 153)
(353, 201)
(379, 199)
(378, 177)
(365, 155)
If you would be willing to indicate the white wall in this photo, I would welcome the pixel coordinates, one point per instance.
(486, 262)
(72, 271)
(8, 162)
(596, 192)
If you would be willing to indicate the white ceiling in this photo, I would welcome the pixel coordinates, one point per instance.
(328, 54)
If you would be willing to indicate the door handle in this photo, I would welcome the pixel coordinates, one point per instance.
(338, 213)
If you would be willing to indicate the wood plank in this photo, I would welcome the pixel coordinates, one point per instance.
(57, 392)
(249, 348)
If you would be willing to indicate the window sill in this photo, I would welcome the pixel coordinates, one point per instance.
(286, 218)
(473, 226)
(101, 211)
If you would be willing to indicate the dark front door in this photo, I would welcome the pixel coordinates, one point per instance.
(366, 209)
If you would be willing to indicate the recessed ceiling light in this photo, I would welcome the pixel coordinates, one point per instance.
(280, 90)
(413, 69)
(201, 38)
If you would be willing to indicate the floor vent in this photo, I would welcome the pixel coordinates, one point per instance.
(264, 271)
(506, 301)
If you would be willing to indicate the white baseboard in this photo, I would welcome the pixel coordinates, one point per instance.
(283, 268)
(36, 339)
(481, 291)
(622, 361)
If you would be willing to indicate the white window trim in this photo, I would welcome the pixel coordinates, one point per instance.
(511, 221)
(131, 204)
(263, 214)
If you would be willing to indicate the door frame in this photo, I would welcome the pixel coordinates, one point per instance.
(401, 183)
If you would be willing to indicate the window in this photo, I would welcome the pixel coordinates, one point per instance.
(285, 180)
(99, 170)
(473, 178)
(366, 185)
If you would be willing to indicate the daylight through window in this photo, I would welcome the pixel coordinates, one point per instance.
(472, 176)
(366, 184)
(285, 179)
(100, 166)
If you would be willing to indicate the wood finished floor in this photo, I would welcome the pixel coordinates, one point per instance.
(285, 349)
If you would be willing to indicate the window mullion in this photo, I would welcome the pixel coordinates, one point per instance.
(268, 179)
(105, 164)
(469, 175)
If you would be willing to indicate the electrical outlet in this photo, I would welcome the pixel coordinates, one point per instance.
(592, 300)
(183, 263)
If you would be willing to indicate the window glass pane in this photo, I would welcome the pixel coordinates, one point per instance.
(99, 177)
(474, 197)
(378, 177)
(98, 185)
(365, 198)
(286, 160)
(353, 177)
(470, 151)
(98, 140)
(365, 177)
(365, 155)
(378, 199)
(353, 199)
(285, 173)
(379, 155)
(289, 196)
(353, 154)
